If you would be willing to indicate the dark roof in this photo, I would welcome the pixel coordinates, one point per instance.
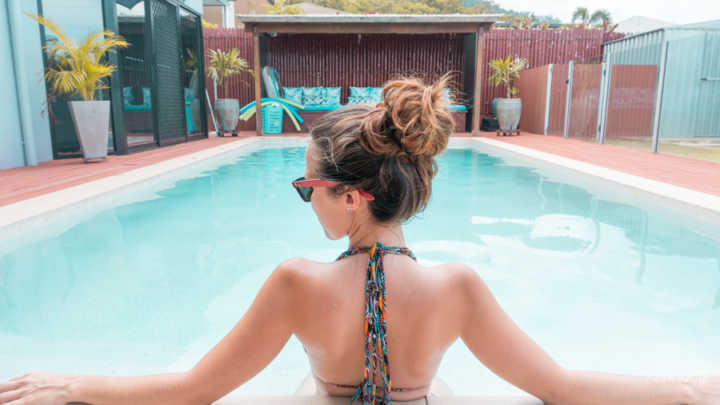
(368, 23)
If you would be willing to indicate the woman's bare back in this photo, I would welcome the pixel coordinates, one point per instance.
(423, 318)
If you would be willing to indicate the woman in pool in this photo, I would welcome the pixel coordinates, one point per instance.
(375, 323)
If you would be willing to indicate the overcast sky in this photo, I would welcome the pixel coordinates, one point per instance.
(679, 12)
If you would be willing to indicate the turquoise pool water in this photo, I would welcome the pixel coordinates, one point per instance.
(152, 284)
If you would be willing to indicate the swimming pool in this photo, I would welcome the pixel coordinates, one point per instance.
(149, 280)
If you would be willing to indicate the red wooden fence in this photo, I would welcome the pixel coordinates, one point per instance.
(369, 60)
(239, 86)
(532, 84)
(541, 47)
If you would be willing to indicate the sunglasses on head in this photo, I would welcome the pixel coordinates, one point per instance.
(305, 186)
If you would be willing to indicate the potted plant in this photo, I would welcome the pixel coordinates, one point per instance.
(505, 71)
(221, 66)
(80, 70)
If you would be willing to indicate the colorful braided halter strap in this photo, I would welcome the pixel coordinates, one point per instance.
(376, 353)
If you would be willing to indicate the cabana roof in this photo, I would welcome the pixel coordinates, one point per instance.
(368, 23)
(464, 24)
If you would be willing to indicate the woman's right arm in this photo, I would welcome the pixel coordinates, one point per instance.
(251, 344)
(511, 354)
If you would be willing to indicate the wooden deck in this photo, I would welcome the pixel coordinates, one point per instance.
(26, 182)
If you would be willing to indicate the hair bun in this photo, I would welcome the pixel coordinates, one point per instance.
(413, 120)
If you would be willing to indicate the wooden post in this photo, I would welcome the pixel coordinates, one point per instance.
(478, 81)
(258, 78)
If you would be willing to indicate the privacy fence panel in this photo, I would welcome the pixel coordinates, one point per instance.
(532, 87)
(631, 101)
(558, 99)
(541, 47)
(584, 101)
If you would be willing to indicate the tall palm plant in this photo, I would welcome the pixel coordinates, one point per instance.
(505, 71)
(78, 69)
(224, 64)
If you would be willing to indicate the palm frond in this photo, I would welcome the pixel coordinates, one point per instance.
(78, 69)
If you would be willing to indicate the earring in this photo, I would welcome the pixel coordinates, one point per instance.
(349, 211)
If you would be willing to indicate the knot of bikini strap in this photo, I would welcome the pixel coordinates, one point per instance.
(375, 326)
(376, 353)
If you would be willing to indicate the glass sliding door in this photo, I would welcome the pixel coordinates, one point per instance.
(135, 73)
(78, 19)
(193, 74)
(167, 73)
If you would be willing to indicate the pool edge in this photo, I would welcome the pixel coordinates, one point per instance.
(658, 188)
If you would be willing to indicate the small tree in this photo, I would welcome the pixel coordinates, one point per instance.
(226, 64)
(78, 69)
(284, 7)
(600, 18)
(505, 71)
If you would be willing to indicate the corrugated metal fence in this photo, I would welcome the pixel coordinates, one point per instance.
(369, 60)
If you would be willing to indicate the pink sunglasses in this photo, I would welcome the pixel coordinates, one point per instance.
(305, 186)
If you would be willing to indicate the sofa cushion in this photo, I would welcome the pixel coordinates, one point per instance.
(333, 96)
(294, 94)
(322, 107)
(374, 94)
(314, 95)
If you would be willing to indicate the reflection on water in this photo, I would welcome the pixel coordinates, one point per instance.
(151, 286)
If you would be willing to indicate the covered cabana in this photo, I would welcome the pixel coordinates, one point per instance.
(328, 48)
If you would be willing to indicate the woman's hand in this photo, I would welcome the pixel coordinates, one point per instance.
(707, 390)
(37, 389)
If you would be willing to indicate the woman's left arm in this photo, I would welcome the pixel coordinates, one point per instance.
(251, 344)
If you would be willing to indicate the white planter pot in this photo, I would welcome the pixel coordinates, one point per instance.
(92, 123)
(508, 113)
(227, 111)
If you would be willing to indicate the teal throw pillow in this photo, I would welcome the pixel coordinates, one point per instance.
(374, 94)
(358, 92)
(294, 94)
(314, 95)
(333, 96)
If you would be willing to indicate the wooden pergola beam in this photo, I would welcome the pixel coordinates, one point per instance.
(258, 84)
(360, 28)
(477, 93)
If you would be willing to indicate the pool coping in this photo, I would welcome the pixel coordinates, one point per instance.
(16, 213)
(658, 188)
(20, 211)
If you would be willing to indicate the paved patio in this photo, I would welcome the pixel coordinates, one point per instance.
(26, 182)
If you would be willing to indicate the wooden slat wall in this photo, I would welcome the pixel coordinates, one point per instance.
(364, 60)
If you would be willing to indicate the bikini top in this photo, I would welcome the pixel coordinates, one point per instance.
(376, 353)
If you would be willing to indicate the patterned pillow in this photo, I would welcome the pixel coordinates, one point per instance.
(374, 94)
(294, 94)
(358, 92)
(364, 95)
(314, 95)
(333, 95)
